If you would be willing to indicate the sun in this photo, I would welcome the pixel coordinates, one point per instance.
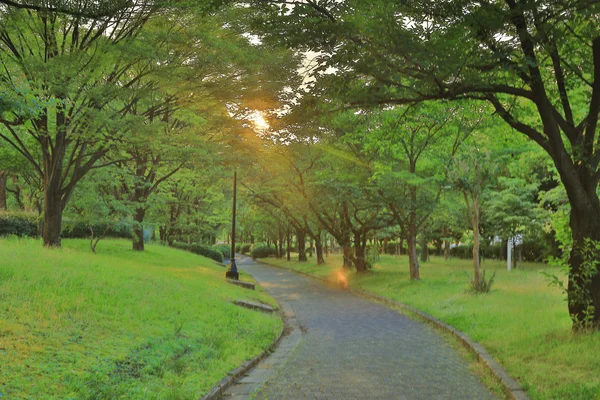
(260, 123)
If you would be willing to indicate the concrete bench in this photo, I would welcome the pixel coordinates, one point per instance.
(246, 285)
(254, 306)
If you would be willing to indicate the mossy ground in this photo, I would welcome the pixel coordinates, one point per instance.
(120, 324)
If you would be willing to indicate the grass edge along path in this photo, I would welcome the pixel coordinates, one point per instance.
(522, 323)
(159, 324)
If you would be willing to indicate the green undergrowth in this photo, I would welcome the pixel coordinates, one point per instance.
(159, 324)
(522, 322)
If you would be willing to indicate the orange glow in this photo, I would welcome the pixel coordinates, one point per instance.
(340, 277)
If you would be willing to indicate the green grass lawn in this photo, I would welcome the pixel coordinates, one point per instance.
(120, 324)
(523, 323)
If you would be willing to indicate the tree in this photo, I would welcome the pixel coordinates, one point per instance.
(537, 62)
(64, 65)
(416, 145)
(471, 173)
(512, 209)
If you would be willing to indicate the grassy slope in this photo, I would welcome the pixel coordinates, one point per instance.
(522, 322)
(120, 324)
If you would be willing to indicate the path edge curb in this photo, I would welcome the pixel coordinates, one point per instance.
(217, 391)
(511, 387)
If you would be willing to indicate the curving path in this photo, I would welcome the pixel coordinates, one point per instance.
(351, 348)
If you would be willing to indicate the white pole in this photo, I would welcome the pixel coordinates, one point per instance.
(508, 254)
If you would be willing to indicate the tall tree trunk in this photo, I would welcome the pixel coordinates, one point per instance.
(413, 258)
(138, 229)
(347, 254)
(585, 223)
(53, 210)
(3, 178)
(301, 236)
(424, 249)
(54, 199)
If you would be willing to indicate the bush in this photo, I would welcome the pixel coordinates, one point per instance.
(200, 249)
(262, 251)
(244, 248)
(18, 223)
(224, 249)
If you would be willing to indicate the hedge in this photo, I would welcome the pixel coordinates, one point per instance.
(243, 248)
(81, 230)
(200, 249)
(224, 249)
(18, 223)
(262, 251)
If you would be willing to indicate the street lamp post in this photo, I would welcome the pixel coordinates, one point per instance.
(232, 272)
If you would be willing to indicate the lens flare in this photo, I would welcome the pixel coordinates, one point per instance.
(340, 278)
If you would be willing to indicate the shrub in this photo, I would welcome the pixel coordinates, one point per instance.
(244, 248)
(18, 223)
(224, 249)
(200, 249)
(206, 251)
(181, 246)
(484, 285)
(262, 251)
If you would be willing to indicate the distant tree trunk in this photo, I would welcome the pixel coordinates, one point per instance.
(301, 237)
(424, 249)
(310, 248)
(413, 258)
(138, 229)
(401, 246)
(288, 246)
(162, 233)
(359, 253)
(438, 247)
(3, 178)
(521, 255)
(475, 221)
(280, 235)
(319, 251)
(446, 249)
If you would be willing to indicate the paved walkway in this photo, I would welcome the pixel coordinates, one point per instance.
(347, 348)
